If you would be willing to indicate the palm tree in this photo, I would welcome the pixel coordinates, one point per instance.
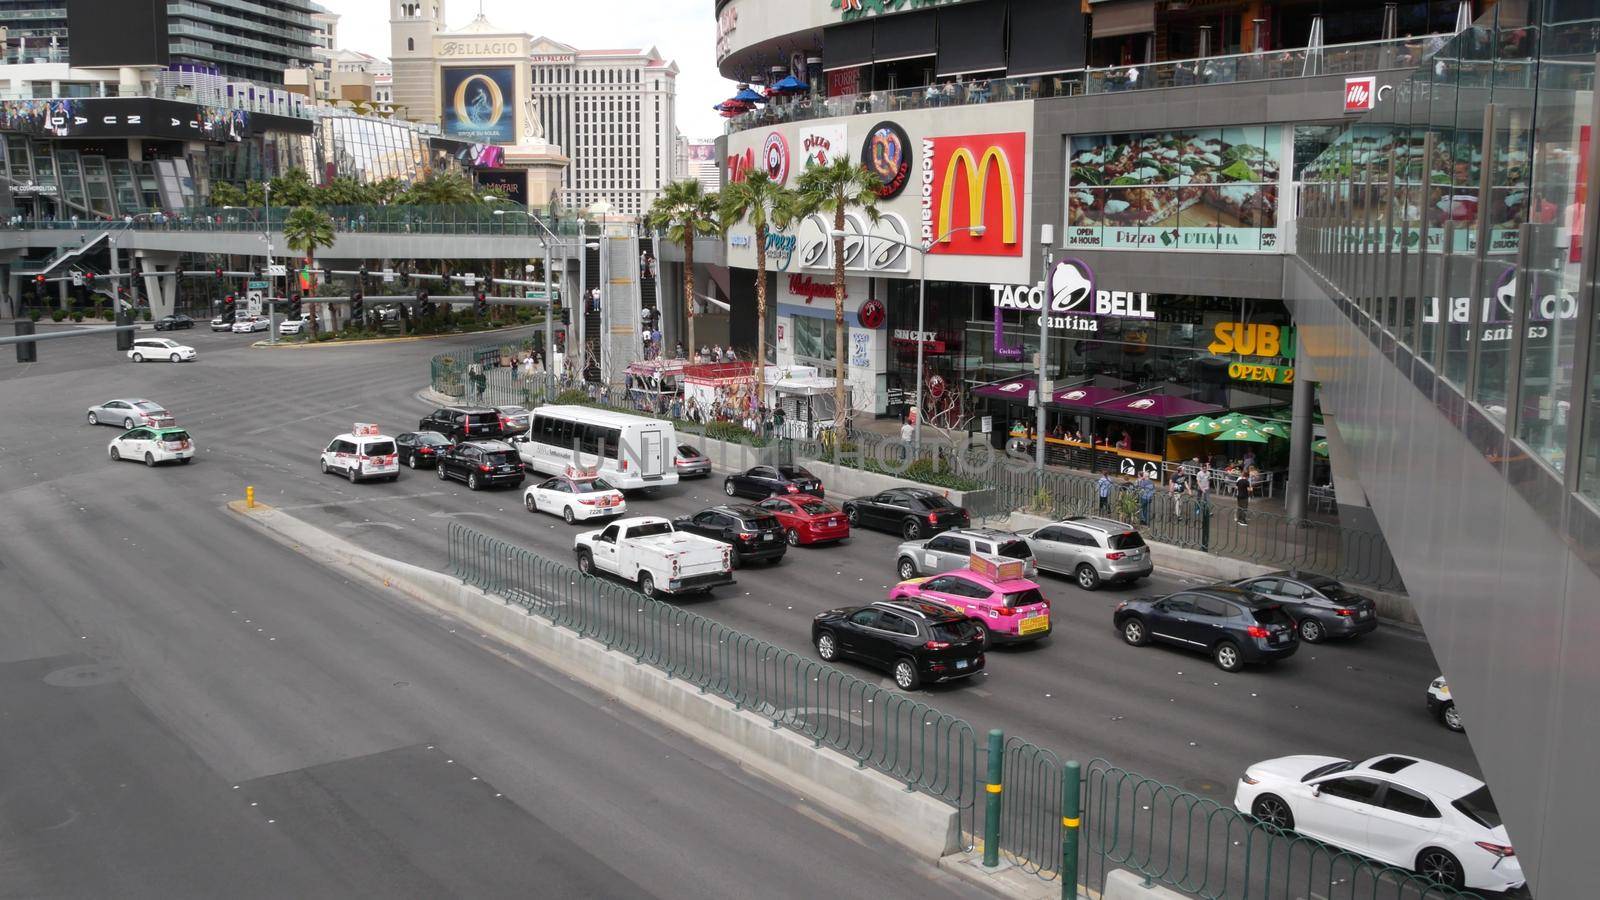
(838, 187)
(307, 230)
(684, 212)
(767, 204)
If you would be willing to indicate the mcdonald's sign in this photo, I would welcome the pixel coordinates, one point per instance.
(976, 179)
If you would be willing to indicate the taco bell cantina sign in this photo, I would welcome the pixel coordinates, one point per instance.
(1070, 300)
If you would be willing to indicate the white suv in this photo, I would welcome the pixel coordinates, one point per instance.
(362, 453)
(160, 348)
(1093, 550)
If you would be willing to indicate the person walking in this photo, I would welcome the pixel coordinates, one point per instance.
(1202, 484)
(1146, 493)
(1242, 486)
(1180, 495)
(908, 432)
(1103, 489)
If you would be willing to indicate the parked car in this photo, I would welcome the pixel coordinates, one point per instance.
(1233, 626)
(1011, 609)
(513, 420)
(807, 519)
(752, 532)
(912, 512)
(916, 642)
(480, 464)
(575, 497)
(1398, 810)
(762, 482)
(1442, 704)
(1093, 550)
(362, 452)
(420, 448)
(691, 463)
(462, 423)
(953, 550)
(173, 323)
(650, 553)
(152, 445)
(160, 348)
(1322, 607)
(128, 414)
(222, 323)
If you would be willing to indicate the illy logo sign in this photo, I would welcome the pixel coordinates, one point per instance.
(1360, 94)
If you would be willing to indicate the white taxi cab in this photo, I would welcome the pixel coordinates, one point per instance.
(362, 452)
(152, 445)
(575, 495)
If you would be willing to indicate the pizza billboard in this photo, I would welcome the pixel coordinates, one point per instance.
(1206, 189)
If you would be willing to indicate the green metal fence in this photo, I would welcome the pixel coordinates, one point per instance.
(1041, 814)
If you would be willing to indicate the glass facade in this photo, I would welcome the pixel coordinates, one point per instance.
(1457, 219)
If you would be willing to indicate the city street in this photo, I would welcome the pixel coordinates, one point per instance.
(260, 417)
(192, 709)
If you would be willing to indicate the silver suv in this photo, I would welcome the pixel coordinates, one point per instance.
(953, 549)
(1092, 550)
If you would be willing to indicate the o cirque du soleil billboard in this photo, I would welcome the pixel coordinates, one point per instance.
(478, 103)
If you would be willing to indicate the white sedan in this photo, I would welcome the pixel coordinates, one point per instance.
(160, 348)
(291, 326)
(152, 445)
(247, 324)
(1396, 809)
(575, 499)
(126, 414)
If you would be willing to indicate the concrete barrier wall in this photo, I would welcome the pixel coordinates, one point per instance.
(924, 826)
(1122, 884)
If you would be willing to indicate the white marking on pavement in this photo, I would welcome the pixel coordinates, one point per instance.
(372, 524)
(384, 499)
(319, 415)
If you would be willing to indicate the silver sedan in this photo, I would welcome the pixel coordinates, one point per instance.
(127, 414)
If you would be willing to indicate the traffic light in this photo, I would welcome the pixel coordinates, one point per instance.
(355, 305)
(228, 301)
(178, 274)
(88, 279)
(483, 304)
(294, 305)
(27, 351)
(566, 317)
(424, 305)
(220, 273)
(488, 282)
(363, 281)
(124, 338)
(39, 281)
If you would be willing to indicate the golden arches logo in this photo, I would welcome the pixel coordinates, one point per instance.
(481, 108)
(978, 191)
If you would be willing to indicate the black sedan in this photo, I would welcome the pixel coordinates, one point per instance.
(1322, 607)
(420, 448)
(753, 532)
(481, 464)
(1232, 626)
(173, 323)
(762, 482)
(691, 463)
(910, 512)
(916, 642)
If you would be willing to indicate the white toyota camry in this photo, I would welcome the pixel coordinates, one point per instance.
(575, 498)
(1396, 809)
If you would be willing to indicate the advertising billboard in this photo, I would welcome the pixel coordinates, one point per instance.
(478, 103)
(974, 180)
(1196, 189)
(93, 117)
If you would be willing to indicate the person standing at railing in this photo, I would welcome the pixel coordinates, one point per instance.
(1146, 490)
(1103, 490)
(1179, 490)
(1241, 485)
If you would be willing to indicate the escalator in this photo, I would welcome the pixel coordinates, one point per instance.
(591, 316)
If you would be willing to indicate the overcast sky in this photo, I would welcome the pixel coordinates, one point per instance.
(683, 30)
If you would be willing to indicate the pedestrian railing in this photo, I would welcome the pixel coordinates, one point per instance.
(1038, 812)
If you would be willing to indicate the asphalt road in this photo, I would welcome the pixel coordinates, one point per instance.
(261, 416)
(191, 709)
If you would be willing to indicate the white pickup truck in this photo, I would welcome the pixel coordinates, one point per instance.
(647, 551)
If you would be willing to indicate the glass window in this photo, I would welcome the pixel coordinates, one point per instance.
(1358, 790)
(1409, 803)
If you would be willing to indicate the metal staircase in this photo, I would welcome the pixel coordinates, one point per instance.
(591, 317)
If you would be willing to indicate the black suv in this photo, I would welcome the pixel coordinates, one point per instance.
(481, 464)
(915, 641)
(1233, 626)
(462, 423)
(910, 512)
(753, 532)
(173, 323)
(762, 482)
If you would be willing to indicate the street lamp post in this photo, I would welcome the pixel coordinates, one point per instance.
(549, 301)
(922, 294)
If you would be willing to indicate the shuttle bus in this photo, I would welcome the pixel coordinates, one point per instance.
(631, 452)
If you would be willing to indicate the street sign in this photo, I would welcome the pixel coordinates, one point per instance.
(388, 276)
(469, 279)
(253, 302)
(77, 279)
(986, 424)
(277, 270)
(257, 285)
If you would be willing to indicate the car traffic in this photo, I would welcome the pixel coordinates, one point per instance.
(173, 323)
(690, 462)
(160, 349)
(907, 511)
(992, 592)
(760, 482)
(126, 414)
(480, 464)
(1092, 550)
(1232, 626)
(575, 497)
(1322, 607)
(916, 643)
(420, 448)
(953, 550)
(752, 533)
(807, 520)
(363, 453)
(152, 445)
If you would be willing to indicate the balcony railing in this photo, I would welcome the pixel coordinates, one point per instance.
(473, 220)
(1368, 56)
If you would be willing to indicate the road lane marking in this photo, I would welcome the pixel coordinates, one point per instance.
(386, 499)
(302, 419)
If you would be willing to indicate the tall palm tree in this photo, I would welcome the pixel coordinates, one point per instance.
(837, 187)
(684, 212)
(306, 231)
(767, 205)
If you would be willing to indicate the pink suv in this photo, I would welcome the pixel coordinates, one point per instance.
(1011, 609)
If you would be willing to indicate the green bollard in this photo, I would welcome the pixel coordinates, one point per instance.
(991, 806)
(1071, 812)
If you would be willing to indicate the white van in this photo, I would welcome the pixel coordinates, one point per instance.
(362, 452)
(630, 452)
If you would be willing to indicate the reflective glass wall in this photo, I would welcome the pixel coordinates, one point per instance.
(1457, 219)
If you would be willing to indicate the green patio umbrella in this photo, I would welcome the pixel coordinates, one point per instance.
(1198, 425)
(1236, 420)
(1245, 435)
(1273, 429)
(1320, 448)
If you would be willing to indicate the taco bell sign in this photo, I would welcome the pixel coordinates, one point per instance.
(1074, 301)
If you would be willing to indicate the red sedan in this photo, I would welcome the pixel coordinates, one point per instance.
(807, 519)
